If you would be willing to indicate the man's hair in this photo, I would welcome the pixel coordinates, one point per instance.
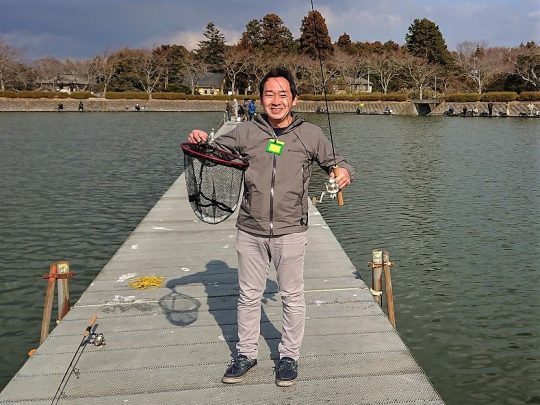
(279, 72)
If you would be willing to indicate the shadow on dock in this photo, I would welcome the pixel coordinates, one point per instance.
(182, 310)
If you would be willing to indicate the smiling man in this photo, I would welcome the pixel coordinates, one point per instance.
(273, 217)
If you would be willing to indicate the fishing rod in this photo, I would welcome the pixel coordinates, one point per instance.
(89, 336)
(331, 187)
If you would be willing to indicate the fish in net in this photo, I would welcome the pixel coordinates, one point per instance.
(214, 180)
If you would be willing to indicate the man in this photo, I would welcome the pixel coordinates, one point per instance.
(530, 107)
(252, 109)
(228, 110)
(235, 109)
(273, 217)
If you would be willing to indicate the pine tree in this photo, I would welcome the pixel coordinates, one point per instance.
(344, 40)
(212, 49)
(425, 40)
(252, 36)
(314, 36)
(275, 36)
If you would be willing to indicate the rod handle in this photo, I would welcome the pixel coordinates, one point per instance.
(91, 323)
(340, 201)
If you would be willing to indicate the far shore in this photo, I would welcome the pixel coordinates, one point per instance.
(416, 107)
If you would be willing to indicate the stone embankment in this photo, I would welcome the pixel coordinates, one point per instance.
(515, 108)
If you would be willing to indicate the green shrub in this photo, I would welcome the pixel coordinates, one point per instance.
(33, 94)
(8, 94)
(356, 97)
(184, 96)
(529, 96)
(499, 96)
(462, 97)
(126, 95)
(221, 97)
(80, 95)
(168, 96)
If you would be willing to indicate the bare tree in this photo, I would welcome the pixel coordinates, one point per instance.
(481, 65)
(48, 73)
(420, 71)
(235, 62)
(148, 68)
(258, 66)
(82, 72)
(194, 68)
(526, 63)
(320, 81)
(350, 66)
(386, 66)
(105, 67)
(9, 60)
(295, 63)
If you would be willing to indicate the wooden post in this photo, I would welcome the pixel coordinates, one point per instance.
(47, 308)
(376, 275)
(63, 289)
(388, 288)
(340, 201)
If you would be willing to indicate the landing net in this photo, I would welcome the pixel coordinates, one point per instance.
(214, 181)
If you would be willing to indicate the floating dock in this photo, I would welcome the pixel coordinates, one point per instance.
(171, 345)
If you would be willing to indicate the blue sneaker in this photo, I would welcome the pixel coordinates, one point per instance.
(238, 368)
(286, 372)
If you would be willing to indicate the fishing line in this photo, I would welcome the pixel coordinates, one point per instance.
(322, 78)
(332, 187)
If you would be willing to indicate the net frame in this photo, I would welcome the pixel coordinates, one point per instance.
(218, 156)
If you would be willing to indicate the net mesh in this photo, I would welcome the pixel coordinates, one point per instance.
(214, 181)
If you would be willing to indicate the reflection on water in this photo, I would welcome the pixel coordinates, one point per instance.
(74, 186)
(455, 201)
(457, 204)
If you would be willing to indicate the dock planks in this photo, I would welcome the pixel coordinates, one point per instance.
(171, 345)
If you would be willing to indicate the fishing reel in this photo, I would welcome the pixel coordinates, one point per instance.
(96, 339)
(332, 189)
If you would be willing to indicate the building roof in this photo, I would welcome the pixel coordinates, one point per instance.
(214, 80)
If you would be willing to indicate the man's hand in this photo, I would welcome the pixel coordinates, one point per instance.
(197, 136)
(343, 178)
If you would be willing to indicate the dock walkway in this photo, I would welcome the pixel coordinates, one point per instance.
(171, 345)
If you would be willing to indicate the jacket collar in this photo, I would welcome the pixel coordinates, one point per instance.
(261, 120)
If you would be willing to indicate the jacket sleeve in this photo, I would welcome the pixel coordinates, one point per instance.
(229, 141)
(325, 157)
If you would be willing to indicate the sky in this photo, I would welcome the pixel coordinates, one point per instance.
(80, 29)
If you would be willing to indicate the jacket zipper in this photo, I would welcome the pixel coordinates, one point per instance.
(272, 193)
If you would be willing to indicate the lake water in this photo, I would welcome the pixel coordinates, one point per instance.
(456, 201)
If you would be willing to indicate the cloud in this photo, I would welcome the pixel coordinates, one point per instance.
(40, 45)
(191, 39)
(188, 39)
(65, 27)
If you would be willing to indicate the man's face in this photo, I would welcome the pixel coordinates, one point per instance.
(277, 101)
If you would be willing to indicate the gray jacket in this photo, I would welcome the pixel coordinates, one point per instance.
(275, 199)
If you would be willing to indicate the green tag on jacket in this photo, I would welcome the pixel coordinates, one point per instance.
(274, 146)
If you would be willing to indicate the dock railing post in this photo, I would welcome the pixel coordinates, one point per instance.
(63, 288)
(47, 308)
(376, 275)
(388, 288)
(57, 271)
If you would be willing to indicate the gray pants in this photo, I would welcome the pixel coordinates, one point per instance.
(254, 256)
